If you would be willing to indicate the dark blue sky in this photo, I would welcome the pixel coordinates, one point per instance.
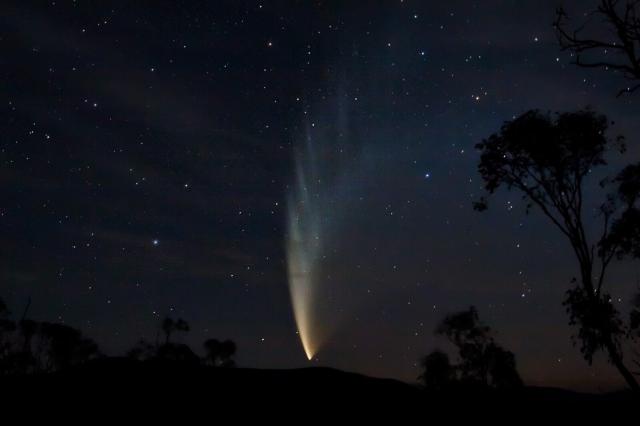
(147, 150)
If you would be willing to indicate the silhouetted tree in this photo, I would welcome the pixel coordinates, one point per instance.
(615, 47)
(62, 346)
(482, 362)
(634, 326)
(219, 354)
(169, 326)
(31, 346)
(471, 337)
(7, 331)
(177, 352)
(167, 351)
(142, 351)
(624, 238)
(25, 361)
(438, 373)
(502, 367)
(547, 160)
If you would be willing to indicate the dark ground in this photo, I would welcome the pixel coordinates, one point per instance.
(117, 380)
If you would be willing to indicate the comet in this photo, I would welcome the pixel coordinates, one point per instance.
(304, 251)
(327, 162)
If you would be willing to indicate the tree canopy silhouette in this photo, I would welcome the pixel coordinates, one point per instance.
(634, 324)
(615, 48)
(61, 346)
(482, 362)
(624, 238)
(219, 354)
(168, 350)
(169, 326)
(7, 329)
(142, 350)
(40, 347)
(547, 159)
(438, 372)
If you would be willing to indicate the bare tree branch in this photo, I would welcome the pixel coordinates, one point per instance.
(624, 21)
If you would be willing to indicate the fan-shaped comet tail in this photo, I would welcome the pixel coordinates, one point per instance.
(326, 161)
(303, 254)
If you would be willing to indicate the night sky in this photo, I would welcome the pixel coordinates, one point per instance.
(148, 150)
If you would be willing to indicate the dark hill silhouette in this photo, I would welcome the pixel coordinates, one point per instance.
(163, 381)
(229, 382)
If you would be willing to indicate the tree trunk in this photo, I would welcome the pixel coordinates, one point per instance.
(616, 360)
(614, 355)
